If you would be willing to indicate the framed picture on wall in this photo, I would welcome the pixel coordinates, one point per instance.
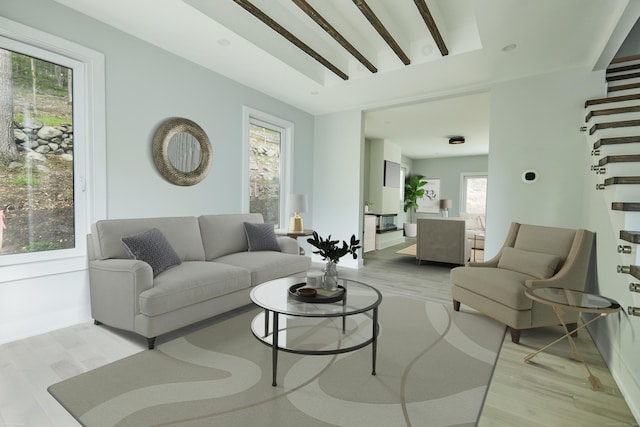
(430, 202)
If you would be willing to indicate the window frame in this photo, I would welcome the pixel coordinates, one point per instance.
(253, 116)
(463, 187)
(89, 149)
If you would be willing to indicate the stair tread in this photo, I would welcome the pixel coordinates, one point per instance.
(609, 125)
(622, 59)
(622, 180)
(608, 100)
(622, 158)
(630, 236)
(623, 87)
(623, 77)
(617, 140)
(622, 68)
(626, 206)
(610, 111)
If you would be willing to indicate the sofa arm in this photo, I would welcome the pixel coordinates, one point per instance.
(115, 286)
(289, 245)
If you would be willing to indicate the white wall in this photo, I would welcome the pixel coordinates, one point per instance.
(337, 186)
(535, 125)
(448, 170)
(144, 86)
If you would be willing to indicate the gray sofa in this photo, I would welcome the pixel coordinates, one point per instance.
(215, 274)
(442, 240)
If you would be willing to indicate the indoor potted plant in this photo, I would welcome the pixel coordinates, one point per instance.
(412, 192)
(331, 252)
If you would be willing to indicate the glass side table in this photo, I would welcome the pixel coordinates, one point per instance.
(562, 300)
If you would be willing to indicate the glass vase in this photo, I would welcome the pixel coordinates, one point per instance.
(330, 281)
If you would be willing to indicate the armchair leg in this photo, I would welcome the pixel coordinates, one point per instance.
(515, 335)
(456, 305)
(151, 342)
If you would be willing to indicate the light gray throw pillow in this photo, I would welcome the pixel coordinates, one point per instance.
(536, 264)
(261, 237)
(153, 248)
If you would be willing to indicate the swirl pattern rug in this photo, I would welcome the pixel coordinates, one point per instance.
(433, 369)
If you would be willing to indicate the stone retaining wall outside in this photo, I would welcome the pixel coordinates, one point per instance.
(44, 139)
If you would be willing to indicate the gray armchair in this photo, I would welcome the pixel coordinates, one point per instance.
(531, 256)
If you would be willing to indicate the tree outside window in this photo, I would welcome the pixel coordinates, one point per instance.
(265, 171)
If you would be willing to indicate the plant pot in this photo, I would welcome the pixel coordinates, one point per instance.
(410, 229)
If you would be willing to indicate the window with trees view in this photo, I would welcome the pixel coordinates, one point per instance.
(475, 194)
(267, 167)
(36, 154)
(265, 142)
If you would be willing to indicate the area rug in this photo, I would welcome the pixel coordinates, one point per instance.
(410, 250)
(433, 369)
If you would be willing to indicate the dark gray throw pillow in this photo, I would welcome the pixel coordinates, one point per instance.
(153, 248)
(261, 237)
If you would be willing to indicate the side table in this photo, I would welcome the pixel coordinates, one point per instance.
(560, 300)
(295, 235)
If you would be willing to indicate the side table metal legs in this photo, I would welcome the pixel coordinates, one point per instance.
(575, 353)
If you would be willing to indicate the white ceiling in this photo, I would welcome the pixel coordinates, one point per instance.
(549, 35)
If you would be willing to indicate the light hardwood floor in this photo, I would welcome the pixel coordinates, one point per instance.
(552, 391)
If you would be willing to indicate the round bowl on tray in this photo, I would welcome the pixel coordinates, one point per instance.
(302, 294)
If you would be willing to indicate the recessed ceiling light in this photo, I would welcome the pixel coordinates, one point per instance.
(509, 47)
(224, 42)
(427, 50)
(456, 140)
(314, 92)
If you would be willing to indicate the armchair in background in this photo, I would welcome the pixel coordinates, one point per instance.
(531, 256)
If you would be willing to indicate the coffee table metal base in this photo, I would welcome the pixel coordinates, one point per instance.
(260, 327)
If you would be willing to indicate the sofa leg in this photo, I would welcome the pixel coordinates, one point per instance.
(515, 335)
(97, 322)
(456, 305)
(571, 327)
(151, 342)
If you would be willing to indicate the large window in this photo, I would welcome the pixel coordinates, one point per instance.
(474, 193)
(269, 154)
(36, 155)
(52, 171)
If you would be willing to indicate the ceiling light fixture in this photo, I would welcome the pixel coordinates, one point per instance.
(456, 140)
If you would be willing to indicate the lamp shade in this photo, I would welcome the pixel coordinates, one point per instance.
(298, 203)
(446, 204)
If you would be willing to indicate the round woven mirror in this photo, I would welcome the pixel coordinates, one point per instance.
(182, 151)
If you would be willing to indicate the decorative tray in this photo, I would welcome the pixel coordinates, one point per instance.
(322, 295)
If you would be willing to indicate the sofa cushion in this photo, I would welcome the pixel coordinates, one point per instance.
(190, 283)
(183, 233)
(224, 234)
(153, 248)
(540, 266)
(267, 265)
(545, 240)
(504, 286)
(261, 237)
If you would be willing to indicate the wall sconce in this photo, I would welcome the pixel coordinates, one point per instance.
(445, 205)
(297, 204)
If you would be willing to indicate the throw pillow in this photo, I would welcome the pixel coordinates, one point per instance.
(536, 264)
(153, 248)
(261, 237)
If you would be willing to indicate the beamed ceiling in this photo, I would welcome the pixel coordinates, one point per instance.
(386, 57)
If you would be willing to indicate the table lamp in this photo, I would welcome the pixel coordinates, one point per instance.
(445, 205)
(297, 204)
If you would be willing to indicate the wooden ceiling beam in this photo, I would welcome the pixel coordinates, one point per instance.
(325, 25)
(249, 7)
(380, 28)
(431, 25)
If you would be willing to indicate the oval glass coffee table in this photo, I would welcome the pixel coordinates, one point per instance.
(307, 327)
(562, 300)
